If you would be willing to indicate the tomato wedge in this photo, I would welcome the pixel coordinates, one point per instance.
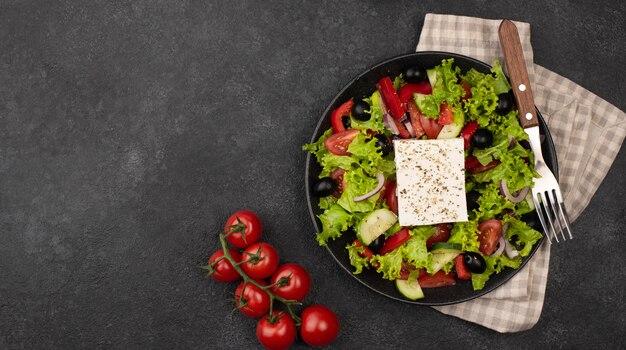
(390, 97)
(394, 241)
(489, 236)
(445, 115)
(414, 114)
(366, 253)
(402, 131)
(337, 175)
(468, 131)
(468, 91)
(391, 196)
(336, 118)
(480, 168)
(431, 127)
(461, 270)
(338, 143)
(442, 234)
(405, 93)
(439, 279)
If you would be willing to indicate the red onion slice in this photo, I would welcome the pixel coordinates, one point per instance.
(511, 252)
(513, 197)
(409, 127)
(500, 249)
(381, 181)
(511, 142)
(390, 124)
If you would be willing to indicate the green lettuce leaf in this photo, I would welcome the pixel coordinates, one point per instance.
(334, 221)
(358, 184)
(375, 123)
(492, 202)
(389, 264)
(465, 234)
(415, 251)
(356, 260)
(447, 89)
(526, 235)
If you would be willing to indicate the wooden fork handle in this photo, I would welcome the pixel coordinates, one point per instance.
(514, 60)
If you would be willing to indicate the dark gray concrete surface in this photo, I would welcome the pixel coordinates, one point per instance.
(129, 131)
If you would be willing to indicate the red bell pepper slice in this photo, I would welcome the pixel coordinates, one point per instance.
(405, 93)
(336, 118)
(396, 240)
(468, 131)
(391, 99)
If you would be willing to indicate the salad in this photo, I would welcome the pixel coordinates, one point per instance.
(357, 183)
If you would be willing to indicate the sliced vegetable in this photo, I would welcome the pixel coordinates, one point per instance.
(439, 279)
(405, 93)
(338, 143)
(410, 288)
(445, 115)
(381, 181)
(375, 224)
(415, 117)
(336, 118)
(468, 131)
(394, 241)
(513, 197)
(445, 247)
(390, 97)
(461, 270)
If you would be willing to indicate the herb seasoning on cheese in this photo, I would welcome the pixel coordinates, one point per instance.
(431, 181)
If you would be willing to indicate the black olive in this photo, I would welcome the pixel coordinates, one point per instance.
(385, 145)
(324, 187)
(472, 200)
(482, 138)
(377, 244)
(414, 74)
(359, 111)
(505, 103)
(532, 219)
(474, 262)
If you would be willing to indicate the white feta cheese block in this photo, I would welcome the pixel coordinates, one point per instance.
(431, 181)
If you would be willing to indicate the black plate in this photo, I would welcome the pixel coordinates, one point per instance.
(363, 86)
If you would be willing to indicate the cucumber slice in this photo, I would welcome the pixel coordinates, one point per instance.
(453, 130)
(445, 247)
(432, 76)
(439, 260)
(374, 224)
(410, 289)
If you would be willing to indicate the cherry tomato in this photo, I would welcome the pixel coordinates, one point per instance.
(396, 240)
(243, 228)
(337, 175)
(391, 197)
(320, 325)
(277, 332)
(445, 115)
(252, 301)
(336, 118)
(262, 260)
(338, 143)
(224, 270)
(489, 236)
(439, 279)
(298, 282)
(431, 127)
(415, 116)
(442, 234)
(405, 93)
(461, 270)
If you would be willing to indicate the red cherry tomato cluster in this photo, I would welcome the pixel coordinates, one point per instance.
(263, 281)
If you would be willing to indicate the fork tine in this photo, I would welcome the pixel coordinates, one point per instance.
(565, 218)
(553, 200)
(546, 229)
(547, 215)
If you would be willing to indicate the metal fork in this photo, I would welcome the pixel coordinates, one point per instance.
(546, 191)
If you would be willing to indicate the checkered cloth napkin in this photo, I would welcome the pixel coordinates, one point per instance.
(587, 133)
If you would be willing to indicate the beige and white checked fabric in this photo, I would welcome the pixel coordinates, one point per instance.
(587, 132)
